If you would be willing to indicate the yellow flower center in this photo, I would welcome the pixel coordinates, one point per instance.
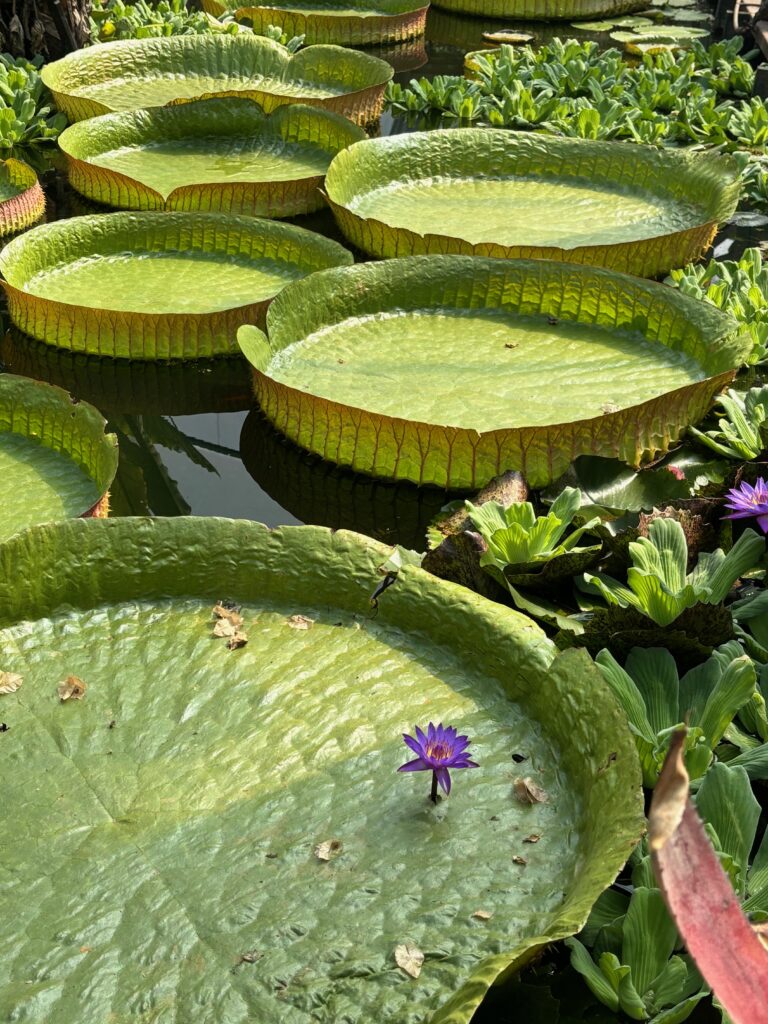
(439, 751)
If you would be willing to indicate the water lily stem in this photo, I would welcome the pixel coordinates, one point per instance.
(433, 794)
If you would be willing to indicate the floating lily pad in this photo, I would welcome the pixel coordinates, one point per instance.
(493, 192)
(223, 155)
(134, 73)
(678, 34)
(351, 23)
(451, 370)
(55, 459)
(512, 38)
(21, 199)
(173, 813)
(154, 285)
(542, 10)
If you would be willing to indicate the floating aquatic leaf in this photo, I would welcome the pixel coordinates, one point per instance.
(529, 792)
(409, 959)
(10, 682)
(72, 688)
(366, 23)
(507, 37)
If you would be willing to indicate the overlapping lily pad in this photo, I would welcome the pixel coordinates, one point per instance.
(450, 370)
(542, 10)
(55, 459)
(179, 806)
(493, 192)
(21, 199)
(223, 155)
(356, 23)
(134, 73)
(154, 285)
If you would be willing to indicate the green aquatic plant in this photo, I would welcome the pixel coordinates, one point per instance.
(657, 700)
(738, 287)
(26, 111)
(658, 583)
(742, 433)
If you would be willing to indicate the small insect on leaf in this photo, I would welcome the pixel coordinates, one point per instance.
(237, 640)
(609, 407)
(409, 959)
(71, 688)
(519, 860)
(300, 622)
(528, 792)
(482, 915)
(10, 682)
(532, 838)
(330, 848)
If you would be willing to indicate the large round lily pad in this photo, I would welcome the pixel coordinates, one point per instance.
(154, 285)
(134, 73)
(492, 192)
(22, 201)
(353, 23)
(542, 10)
(224, 155)
(55, 459)
(173, 823)
(449, 370)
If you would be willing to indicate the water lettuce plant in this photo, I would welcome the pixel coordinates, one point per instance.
(740, 287)
(489, 192)
(154, 285)
(333, 375)
(659, 585)
(277, 895)
(115, 19)
(268, 165)
(134, 73)
(742, 433)
(26, 114)
(657, 701)
(56, 461)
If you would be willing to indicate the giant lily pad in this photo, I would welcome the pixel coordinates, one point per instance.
(134, 73)
(154, 285)
(450, 370)
(217, 154)
(166, 864)
(55, 459)
(493, 192)
(542, 10)
(355, 23)
(21, 199)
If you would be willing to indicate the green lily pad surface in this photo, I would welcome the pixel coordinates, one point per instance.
(366, 23)
(442, 370)
(154, 285)
(170, 862)
(493, 192)
(56, 462)
(134, 73)
(216, 154)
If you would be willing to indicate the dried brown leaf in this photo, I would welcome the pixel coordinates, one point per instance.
(237, 640)
(71, 688)
(532, 838)
(328, 849)
(482, 915)
(10, 682)
(519, 860)
(300, 622)
(409, 959)
(529, 792)
(224, 628)
(232, 615)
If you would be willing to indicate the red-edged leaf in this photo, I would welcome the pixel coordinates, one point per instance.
(701, 900)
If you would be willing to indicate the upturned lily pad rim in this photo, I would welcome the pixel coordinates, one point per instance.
(458, 457)
(28, 205)
(357, 24)
(361, 77)
(710, 181)
(541, 10)
(161, 335)
(85, 565)
(50, 416)
(229, 116)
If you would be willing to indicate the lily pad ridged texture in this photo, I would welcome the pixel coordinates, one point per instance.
(166, 864)
(542, 10)
(154, 285)
(356, 23)
(220, 155)
(56, 461)
(491, 192)
(22, 201)
(134, 73)
(450, 370)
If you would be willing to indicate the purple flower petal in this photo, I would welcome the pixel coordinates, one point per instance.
(415, 746)
(444, 778)
(762, 522)
(419, 765)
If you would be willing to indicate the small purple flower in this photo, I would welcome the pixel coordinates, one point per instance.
(438, 751)
(747, 502)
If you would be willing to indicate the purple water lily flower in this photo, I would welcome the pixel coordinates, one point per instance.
(438, 751)
(748, 502)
